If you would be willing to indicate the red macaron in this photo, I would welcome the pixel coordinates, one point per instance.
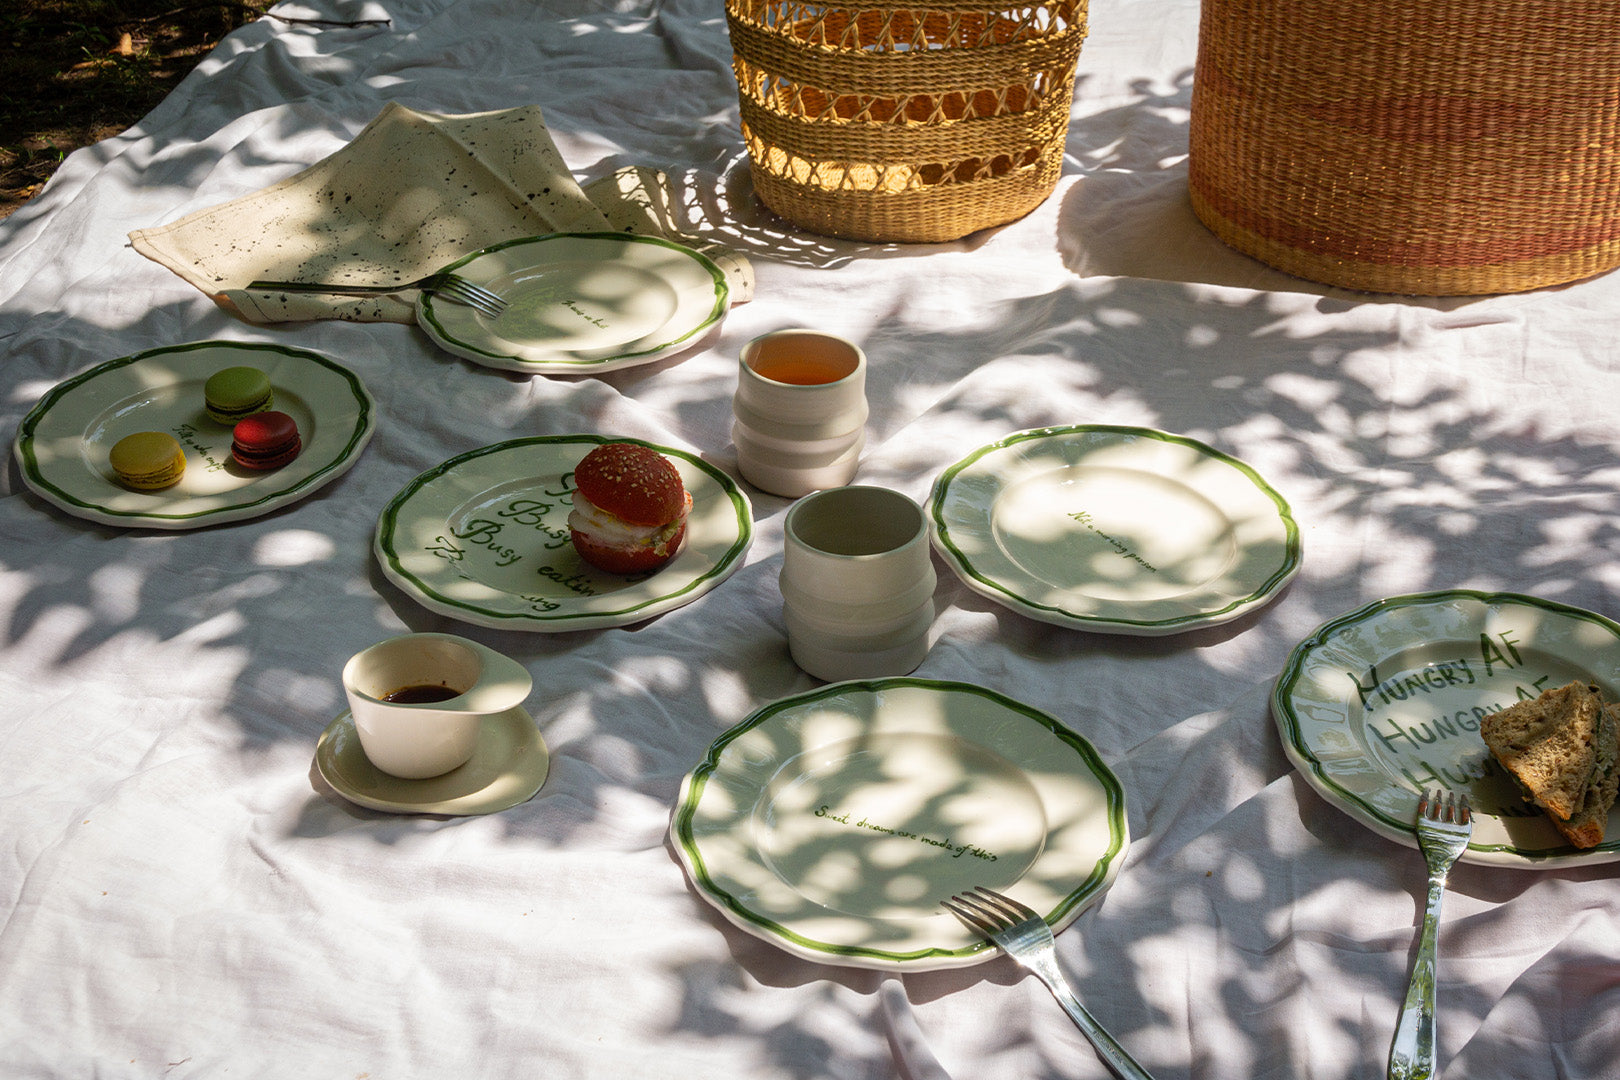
(630, 509)
(266, 440)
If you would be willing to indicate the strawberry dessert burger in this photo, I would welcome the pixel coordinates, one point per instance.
(630, 509)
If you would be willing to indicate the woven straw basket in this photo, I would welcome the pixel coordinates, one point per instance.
(908, 122)
(1452, 147)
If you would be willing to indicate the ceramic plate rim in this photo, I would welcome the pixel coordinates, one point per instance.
(1307, 759)
(565, 362)
(472, 804)
(967, 948)
(728, 551)
(1002, 592)
(39, 480)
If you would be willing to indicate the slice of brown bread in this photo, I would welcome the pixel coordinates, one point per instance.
(1586, 828)
(1549, 745)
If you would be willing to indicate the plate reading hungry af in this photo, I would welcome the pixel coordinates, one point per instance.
(832, 823)
(484, 538)
(1118, 530)
(1384, 702)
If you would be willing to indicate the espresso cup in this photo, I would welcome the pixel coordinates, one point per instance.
(857, 583)
(419, 700)
(800, 409)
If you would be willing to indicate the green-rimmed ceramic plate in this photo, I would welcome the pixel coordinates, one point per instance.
(63, 442)
(484, 538)
(833, 823)
(1379, 704)
(1118, 530)
(579, 303)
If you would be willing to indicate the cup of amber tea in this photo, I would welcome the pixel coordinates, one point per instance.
(419, 700)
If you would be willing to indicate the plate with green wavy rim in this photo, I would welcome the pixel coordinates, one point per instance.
(1117, 530)
(1384, 702)
(484, 538)
(832, 823)
(62, 444)
(579, 303)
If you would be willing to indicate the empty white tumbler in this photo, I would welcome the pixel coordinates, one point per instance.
(857, 583)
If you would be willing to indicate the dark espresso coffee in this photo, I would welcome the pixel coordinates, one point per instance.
(421, 694)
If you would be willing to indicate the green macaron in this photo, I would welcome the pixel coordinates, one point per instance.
(236, 392)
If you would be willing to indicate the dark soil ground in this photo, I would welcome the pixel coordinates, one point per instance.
(74, 72)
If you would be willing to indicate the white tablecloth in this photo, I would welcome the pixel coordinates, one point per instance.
(181, 896)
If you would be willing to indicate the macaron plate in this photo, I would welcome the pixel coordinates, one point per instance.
(62, 444)
(484, 538)
(580, 303)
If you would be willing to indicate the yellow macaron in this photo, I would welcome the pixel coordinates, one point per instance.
(147, 460)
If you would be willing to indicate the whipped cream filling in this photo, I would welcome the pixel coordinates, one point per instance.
(614, 531)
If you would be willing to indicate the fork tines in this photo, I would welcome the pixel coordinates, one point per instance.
(1444, 806)
(987, 910)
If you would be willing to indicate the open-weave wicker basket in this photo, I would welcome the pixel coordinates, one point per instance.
(906, 122)
(1442, 148)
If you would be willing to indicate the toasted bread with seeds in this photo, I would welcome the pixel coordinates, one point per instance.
(1550, 746)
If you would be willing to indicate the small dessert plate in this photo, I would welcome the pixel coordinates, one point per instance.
(579, 303)
(508, 767)
(832, 823)
(1385, 702)
(1117, 530)
(63, 442)
(484, 538)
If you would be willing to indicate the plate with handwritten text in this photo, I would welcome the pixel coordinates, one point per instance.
(484, 538)
(580, 302)
(63, 443)
(833, 823)
(1385, 702)
(1118, 530)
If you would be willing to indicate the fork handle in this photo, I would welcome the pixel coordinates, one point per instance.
(1113, 1055)
(330, 290)
(1411, 1054)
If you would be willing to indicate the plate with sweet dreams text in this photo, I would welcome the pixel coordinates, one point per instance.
(832, 823)
(1385, 702)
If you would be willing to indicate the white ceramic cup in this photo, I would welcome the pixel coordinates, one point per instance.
(413, 741)
(800, 410)
(857, 583)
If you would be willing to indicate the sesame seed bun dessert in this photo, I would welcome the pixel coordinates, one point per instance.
(233, 393)
(1563, 751)
(630, 509)
(147, 460)
(266, 440)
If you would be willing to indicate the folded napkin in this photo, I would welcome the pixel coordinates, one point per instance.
(411, 193)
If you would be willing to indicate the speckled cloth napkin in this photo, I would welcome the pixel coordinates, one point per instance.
(411, 193)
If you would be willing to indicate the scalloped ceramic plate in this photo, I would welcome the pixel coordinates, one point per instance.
(1117, 530)
(832, 823)
(1383, 702)
(484, 538)
(62, 443)
(579, 303)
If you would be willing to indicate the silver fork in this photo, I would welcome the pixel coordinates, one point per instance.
(1026, 938)
(450, 286)
(1443, 828)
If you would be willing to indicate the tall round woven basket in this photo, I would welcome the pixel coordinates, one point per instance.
(1451, 147)
(909, 122)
